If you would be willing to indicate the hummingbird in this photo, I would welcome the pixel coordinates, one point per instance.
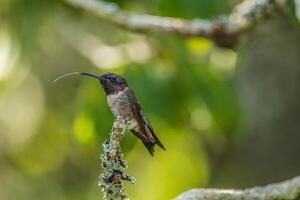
(123, 103)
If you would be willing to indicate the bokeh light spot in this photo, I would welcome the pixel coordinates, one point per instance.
(201, 118)
(223, 62)
(84, 130)
(199, 45)
(8, 55)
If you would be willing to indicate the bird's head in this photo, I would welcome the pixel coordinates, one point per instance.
(112, 83)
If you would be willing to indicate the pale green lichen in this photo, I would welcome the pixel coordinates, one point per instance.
(113, 164)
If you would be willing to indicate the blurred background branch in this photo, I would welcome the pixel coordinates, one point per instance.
(224, 30)
(297, 9)
(287, 190)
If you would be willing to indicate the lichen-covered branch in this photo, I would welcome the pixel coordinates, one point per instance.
(113, 164)
(287, 190)
(224, 30)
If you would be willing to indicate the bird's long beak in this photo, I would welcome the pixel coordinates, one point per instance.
(81, 73)
(90, 75)
(100, 78)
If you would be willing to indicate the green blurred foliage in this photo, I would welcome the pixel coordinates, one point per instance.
(51, 134)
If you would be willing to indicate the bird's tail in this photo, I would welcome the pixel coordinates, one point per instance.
(149, 145)
(157, 141)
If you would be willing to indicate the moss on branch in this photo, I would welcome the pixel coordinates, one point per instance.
(113, 164)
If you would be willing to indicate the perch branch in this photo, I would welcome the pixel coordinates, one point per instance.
(224, 30)
(286, 190)
(113, 164)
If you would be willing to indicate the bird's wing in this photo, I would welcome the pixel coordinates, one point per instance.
(142, 119)
(136, 109)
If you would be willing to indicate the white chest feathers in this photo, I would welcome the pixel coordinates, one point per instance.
(118, 101)
(112, 99)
